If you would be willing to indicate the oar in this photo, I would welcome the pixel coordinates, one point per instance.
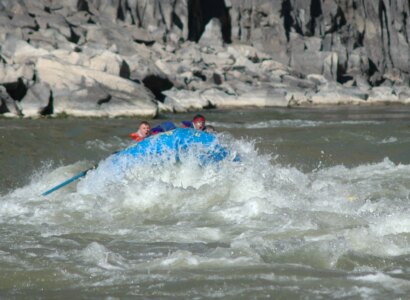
(79, 175)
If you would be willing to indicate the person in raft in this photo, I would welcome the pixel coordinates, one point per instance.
(163, 127)
(144, 130)
(198, 122)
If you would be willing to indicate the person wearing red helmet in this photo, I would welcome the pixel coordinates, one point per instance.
(198, 122)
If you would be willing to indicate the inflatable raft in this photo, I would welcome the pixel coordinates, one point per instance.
(174, 145)
(171, 146)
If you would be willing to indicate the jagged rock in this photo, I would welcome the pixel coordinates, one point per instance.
(249, 52)
(382, 95)
(8, 106)
(292, 81)
(48, 39)
(403, 92)
(218, 98)
(107, 35)
(358, 66)
(190, 51)
(141, 67)
(171, 68)
(78, 18)
(336, 94)
(299, 97)
(55, 21)
(216, 60)
(274, 67)
(241, 60)
(212, 35)
(394, 76)
(16, 51)
(263, 97)
(23, 21)
(313, 62)
(326, 52)
(83, 91)
(317, 79)
(36, 100)
(11, 73)
(330, 66)
(140, 35)
(183, 100)
(108, 62)
(260, 97)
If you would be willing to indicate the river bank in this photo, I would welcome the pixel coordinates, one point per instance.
(126, 58)
(318, 207)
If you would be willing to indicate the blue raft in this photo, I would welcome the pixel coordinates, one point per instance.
(173, 145)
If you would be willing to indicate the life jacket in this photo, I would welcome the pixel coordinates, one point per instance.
(136, 136)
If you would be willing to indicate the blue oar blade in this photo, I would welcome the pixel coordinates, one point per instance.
(82, 174)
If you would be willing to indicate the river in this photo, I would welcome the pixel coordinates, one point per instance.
(317, 208)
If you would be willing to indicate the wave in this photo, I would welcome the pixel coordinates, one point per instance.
(266, 211)
(290, 123)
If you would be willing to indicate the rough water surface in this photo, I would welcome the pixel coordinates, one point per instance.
(317, 208)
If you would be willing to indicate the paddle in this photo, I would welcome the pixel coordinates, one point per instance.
(79, 175)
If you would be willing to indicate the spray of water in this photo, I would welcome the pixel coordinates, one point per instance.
(253, 212)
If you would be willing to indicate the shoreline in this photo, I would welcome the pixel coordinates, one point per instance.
(87, 61)
(249, 108)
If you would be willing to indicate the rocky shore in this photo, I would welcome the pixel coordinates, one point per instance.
(142, 57)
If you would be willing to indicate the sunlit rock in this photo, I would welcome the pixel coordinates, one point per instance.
(382, 94)
(336, 94)
(82, 91)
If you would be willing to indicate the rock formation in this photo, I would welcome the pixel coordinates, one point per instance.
(141, 57)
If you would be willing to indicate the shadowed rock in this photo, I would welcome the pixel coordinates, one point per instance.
(138, 57)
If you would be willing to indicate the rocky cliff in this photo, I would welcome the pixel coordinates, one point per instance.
(140, 57)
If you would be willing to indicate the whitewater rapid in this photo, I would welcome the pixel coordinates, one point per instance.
(260, 225)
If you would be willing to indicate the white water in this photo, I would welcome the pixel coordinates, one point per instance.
(262, 212)
(257, 227)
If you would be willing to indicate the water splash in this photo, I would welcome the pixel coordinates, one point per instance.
(257, 211)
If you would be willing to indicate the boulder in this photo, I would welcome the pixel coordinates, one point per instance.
(336, 94)
(262, 97)
(8, 106)
(82, 91)
(183, 100)
(292, 81)
(17, 51)
(282, 53)
(48, 39)
(382, 94)
(403, 92)
(37, 100)
(212, 35)
(11, 73)
(330, 66)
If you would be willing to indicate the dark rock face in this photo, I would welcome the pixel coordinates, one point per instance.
(201, 12)
(92, 57)
(294, 31)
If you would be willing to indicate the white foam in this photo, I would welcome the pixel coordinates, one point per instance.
(254, 205)
(97, 254)
(386, 281)
(389, 140)
(291, 123)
